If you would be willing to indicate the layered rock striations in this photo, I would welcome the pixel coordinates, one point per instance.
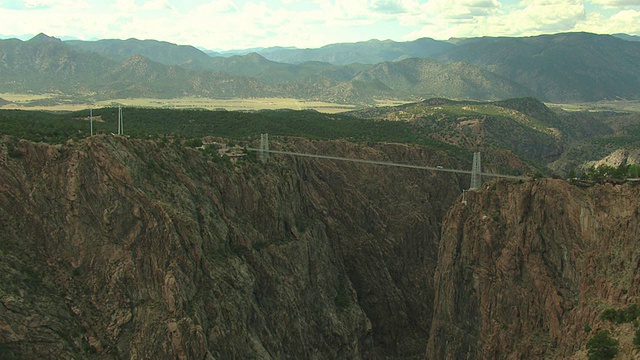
(123, 248)
(524, 270)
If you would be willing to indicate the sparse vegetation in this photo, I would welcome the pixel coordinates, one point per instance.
(626, 315)
(636, 338)
(605, 172)
(587, 328)
(602, 346)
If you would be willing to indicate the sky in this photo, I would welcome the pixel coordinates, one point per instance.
(244, 24)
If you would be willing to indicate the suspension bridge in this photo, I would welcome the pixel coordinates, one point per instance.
(475, 172)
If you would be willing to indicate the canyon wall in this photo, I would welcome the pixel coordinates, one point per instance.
(124, 248)
(525, 269)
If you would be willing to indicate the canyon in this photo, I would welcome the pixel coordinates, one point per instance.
(127, 248)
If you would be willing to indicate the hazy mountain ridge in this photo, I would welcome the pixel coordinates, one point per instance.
(366, 52)
(159, 51)
(560, 68)
(428, 78)
(238, 76)
(557, 68)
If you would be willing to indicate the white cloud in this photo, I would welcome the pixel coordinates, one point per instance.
(612, 4)
(125, 6)
(62, 4)
(156, 5)
(216, 7)
(626, 21)
(388, 6)
(310, 23)
(550, 2)
(555, 16)
(481, 18)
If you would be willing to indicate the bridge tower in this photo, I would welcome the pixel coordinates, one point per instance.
(476, 170)
(264, 147)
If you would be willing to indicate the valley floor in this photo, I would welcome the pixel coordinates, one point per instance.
(55, 103)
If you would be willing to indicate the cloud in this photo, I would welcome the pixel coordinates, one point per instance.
(156, 5)
(457, 9)
(47, 4)
(388, 6)
(225, 24)
(482, 18)
(125, 6)
(216, 7)
(625, 21)
(612, 4)
(544, 17)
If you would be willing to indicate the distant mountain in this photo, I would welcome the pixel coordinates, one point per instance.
(427, 78)
(559, 68)
(260, 50)
(627, 37)
(308, 80)
(45, 64)
(211, 52)
(159, 51)
(368, 52)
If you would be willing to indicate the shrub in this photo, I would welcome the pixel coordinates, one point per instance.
(587, 328)
(602, 346)
(636, 339)
(629, 314)
(193, 143)
(609, 314)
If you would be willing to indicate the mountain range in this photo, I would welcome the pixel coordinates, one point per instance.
(568, 67)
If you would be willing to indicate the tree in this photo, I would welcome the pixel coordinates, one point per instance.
(602, 346)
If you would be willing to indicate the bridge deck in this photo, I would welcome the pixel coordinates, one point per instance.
(387, 163)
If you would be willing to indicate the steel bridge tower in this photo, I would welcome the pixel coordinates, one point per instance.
(264, 147)
(476, 171)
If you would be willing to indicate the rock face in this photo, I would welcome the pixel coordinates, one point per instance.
(116, 248)
(523, 268)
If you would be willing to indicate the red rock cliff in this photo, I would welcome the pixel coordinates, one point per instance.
(522, 268)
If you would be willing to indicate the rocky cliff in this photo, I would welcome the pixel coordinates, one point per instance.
(124, 248)
(524, 270)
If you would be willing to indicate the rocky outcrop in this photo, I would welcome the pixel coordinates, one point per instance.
(617, 158)
(123, 248)
(524, 268)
